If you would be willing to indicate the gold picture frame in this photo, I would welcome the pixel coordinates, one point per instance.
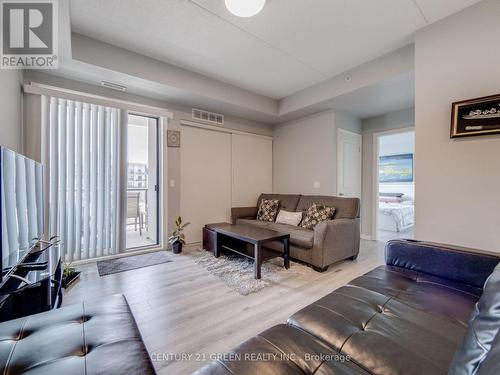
(474, 117)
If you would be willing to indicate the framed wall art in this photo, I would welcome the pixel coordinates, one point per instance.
(474, 117)
(396, 168)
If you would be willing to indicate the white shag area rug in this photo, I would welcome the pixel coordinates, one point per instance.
(237, 272)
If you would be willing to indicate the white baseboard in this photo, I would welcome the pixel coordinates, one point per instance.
(367, 237)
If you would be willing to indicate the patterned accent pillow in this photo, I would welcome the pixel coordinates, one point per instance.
(268, 209)
(316, 214)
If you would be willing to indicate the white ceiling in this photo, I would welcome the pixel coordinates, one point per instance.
(290, 45)
(391, 95)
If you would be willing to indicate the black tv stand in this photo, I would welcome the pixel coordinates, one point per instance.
(33, 266)
(34, 284)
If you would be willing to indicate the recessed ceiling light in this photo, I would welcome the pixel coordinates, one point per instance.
(245, 8)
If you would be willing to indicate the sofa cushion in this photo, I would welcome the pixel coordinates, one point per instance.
(288, 202)
(345, 208)
(268, 209)
(382, 332)
(434, 295)
(483, 327)
(254, 222)
(316, 214)
(298, 236)
(283, 349)
(92, 337)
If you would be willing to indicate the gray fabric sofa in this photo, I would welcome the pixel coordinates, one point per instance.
(329, 242)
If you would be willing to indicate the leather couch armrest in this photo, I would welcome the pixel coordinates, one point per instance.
(243, 213)
(489, 366)
(463, 265)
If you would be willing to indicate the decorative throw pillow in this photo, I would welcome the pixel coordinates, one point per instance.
(268, 209)
(390, 200)
(481, 331)
(316, 214)
(290, 218)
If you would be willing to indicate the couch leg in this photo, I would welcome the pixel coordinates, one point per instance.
(320, 269)
(354, 257)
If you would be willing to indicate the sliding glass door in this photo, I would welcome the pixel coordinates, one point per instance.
(101, 178)
(142, 182)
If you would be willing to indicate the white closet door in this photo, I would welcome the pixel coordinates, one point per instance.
(205, 179)
(252, 168)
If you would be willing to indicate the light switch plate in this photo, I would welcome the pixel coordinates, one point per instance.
(317, 185)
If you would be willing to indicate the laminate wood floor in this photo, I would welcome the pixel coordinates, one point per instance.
(187, 316)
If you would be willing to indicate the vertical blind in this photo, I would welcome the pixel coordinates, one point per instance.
(21, 202)
(82, 148)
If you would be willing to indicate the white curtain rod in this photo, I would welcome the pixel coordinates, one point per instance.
(41, 89)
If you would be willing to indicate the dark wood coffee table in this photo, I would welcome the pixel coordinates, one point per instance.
(248, 234)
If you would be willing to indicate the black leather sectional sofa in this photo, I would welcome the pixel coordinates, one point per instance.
(93, 337)
(407, 317)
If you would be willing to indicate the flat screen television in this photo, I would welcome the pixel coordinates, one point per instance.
(21, 206)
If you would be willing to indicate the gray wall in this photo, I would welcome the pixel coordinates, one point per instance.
(305, 152)
(389, 121)
(346, 121)
(179, 113)
(11, 109)
(457, 181)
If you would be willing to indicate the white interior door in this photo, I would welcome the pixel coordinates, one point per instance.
(348, 163)
(252, 159)
(205, 179)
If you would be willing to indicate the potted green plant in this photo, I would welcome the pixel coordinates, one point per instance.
(70, 274)
(177, 239)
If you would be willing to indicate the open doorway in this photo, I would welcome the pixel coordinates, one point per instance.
(395, 212)
(142, 182)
